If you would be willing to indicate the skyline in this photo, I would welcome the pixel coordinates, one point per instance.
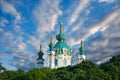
(24, 25)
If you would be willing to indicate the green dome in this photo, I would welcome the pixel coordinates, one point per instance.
(40, 53)
(60, 45)
(51, 45)
(60, 36)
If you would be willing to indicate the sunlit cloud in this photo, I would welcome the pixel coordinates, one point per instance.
(102, 26)
(82, 4)
(109, 1)
(46, 17)
(10, 9)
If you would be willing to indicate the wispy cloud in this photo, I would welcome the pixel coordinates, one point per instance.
(3, 22)
(109, 1)
(81, 6)
(46, 17)
(1, 54)
(103, 25)
(108, 42)
(10, 9)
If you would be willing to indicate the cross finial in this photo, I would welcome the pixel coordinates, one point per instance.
(81, 43)
(40, 47)
(60, 24)
(51, 39)
(60, 19)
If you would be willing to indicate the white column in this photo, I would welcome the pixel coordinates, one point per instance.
(52, 59)
(60, 61)
(81, 58)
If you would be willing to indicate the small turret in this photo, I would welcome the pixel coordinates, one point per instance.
(81, 49)
(40, 59)
(81, 55)
(51, 55)
(51, 45)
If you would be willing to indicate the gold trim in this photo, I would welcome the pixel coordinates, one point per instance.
(81, 59)
(51, 55)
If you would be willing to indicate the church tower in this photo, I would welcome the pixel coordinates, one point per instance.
(51, 54)
(40, 60)
(60, 54)
(81, 55)
(62, 50)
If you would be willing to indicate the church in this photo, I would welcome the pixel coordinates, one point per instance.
(60, 54)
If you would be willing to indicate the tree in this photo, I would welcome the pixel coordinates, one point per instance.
(2, 69)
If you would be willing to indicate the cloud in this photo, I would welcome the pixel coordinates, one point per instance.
(24, 52)
(24, 61)
(10, 9)
(46, 17)
(81, 6)
(3, 22)
(75, 28)
(107, 44)
(101, 26)
(101, 39)
(1, 54)
(108, 1)
(103, 61)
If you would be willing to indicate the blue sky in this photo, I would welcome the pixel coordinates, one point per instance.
(24, 24)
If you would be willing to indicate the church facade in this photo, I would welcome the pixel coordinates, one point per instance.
(60, 54)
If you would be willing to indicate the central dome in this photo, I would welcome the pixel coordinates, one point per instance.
(61, 45)
(61, 36)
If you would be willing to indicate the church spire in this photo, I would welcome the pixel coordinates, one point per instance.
(61, 35)
(61, 25)
(81, 49)
(81, 55)
(51, 39)
(40, 56)
(51, 45)
(81, 43)
(40, 47)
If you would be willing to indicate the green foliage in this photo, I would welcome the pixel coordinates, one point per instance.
(63, 74)
(84, 71)
(112, 67)
(2, 69)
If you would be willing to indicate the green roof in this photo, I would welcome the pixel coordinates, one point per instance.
(61, 42)
(60, 45)
(40, 53)
(51, 45)
(81, 49)
(60, 36)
